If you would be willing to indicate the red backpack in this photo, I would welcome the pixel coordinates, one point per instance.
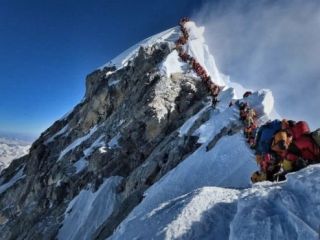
(298, 129)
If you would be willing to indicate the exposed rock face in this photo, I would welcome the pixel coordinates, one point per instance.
(125, 126)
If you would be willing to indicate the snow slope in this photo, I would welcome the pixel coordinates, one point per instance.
(287, 210)
(229, 164)
(209, 194)
(87, 210)
(170, 35)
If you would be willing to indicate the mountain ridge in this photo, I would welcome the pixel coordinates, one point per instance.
(145, 135)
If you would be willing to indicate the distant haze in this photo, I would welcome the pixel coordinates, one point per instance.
(25, 138)
(270, 44)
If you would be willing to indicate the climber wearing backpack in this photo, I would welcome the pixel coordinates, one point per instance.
(270, 165)
(304, 148)
(265, 135)
(296, 145)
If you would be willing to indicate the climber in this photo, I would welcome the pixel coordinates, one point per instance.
(270, 165)
(264, 137)
(258, 177)
(184, 56)
(183, 21)
(304, 148)
(281, 141)
(247, 94)
(316, 136)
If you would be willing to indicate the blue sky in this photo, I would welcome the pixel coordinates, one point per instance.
(47, 47)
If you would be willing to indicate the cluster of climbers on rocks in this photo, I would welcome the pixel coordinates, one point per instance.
(195, 65)
(280, 146)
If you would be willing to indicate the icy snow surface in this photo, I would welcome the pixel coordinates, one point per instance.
(287, 210)
(82, 163)
(170, 35)
(173, 64)
(113, 143)
(229, 164)
(18, 176)
(77, 142)
(62, 131)
(207, 196)
(87, 211)
(197, 48)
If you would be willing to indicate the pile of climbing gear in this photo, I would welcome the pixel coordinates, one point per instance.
(213, 88)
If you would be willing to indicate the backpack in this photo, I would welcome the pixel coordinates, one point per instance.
(265, 136)
(299, 129)
(316, 136)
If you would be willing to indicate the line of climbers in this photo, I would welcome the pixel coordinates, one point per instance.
(195, 65)
(280, 146)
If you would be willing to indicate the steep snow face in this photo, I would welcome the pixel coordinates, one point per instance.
(87, 211)
(189, 216)
(287, 210)
(226, 163)
(197, 48)
(170, 36)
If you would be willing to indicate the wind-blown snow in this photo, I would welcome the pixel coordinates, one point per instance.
(197, 48)
(77, 142)
(87, 211)
(208, 195)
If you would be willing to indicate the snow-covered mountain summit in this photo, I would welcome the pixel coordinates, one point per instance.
(146, 156)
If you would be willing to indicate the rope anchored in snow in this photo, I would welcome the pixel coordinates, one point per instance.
(213, 88)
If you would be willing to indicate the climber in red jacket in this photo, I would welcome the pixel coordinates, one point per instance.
(302, 150)
(305, 148)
